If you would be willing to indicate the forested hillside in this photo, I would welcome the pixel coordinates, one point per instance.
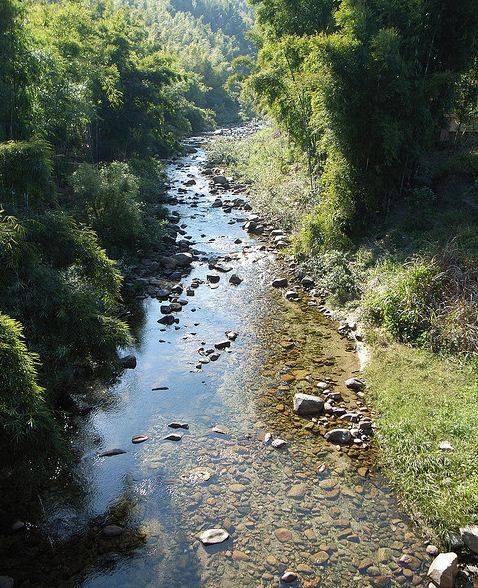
(93, 94)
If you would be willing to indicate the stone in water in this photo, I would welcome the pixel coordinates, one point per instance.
(213, 536)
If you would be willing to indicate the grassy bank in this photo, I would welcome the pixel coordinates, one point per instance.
(412, 281)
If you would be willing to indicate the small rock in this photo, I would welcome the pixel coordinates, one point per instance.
(213, 536)
(235, 280)
(173, 437)
(222, 344)
(139, 439)
(219, 431)
(280, 283)
(111, 452)
(278, 443)
(470, 537)
(232, 335)
(111, 531)
(444, 569)
(178, 425)
(446, 446)
(289, 577)
(355, 384)
(432, 550)
(128, 362)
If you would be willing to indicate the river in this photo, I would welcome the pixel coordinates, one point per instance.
(319, 510)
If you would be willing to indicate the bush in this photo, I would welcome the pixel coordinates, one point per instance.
(64, 289)
(24, 414)
(25, 169)
(151, 178)
(107, 198)
(403, 305)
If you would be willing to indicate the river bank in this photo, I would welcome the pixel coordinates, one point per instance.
(202, 434)
(426, 434)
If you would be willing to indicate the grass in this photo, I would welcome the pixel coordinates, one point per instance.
(423, 399)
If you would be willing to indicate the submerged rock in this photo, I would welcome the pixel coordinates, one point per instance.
(213, 536)
(443, 570)
(112, 452)
(308, 405)
(112, 531)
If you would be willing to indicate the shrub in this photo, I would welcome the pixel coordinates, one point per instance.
(24, 413)
(403, 305)
(107, 198)
(25, 169)
(65, 291)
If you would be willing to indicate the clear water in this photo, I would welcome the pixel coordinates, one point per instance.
(312, 508)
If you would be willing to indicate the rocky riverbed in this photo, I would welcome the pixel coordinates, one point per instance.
(237, 449)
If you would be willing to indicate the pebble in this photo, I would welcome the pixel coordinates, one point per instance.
(173, 437)
(112, 452)
(289, 577)
(139, 439)
(213, 536)
(112, 531)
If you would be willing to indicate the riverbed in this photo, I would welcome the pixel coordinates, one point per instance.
(317, 509)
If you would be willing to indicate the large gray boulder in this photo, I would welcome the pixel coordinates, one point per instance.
(470, 537)
(443, 570)
(183, 259)
(339, 436)
(308, 405)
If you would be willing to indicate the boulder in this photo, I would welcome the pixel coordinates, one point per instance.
(308, 405)
(443, 570)
(470, 537)
(339, 436)
(355, 384)
(183, 259)
(128, 362)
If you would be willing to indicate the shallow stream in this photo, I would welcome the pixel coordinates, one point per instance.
(311, 507)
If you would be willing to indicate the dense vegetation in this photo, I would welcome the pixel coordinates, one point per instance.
(371, 164)
(92, 95)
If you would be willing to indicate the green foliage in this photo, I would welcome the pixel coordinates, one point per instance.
(16, 71)
(25, 172)
(56, 267)
(404, 304)
(362, 88)
(266, 160)
(24, 414)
